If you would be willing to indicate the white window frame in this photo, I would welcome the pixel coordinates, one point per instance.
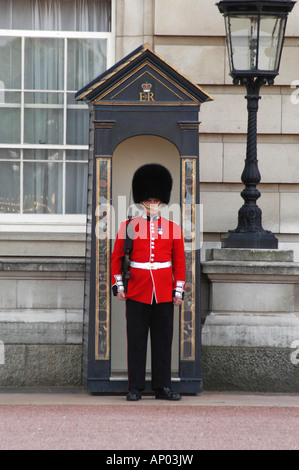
(70, 223)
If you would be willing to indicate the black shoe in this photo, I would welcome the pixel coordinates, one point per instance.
(134, 395)
(167, 394)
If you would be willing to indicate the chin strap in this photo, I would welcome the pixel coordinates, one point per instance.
(151, 205)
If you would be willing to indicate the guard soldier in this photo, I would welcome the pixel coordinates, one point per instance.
(156, 282)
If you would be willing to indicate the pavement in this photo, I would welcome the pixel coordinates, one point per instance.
(73, 419)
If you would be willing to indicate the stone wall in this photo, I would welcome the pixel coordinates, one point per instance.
(41, 317)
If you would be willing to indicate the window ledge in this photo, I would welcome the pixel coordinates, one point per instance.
(41, 223)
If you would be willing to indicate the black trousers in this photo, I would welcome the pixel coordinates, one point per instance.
(158, 319)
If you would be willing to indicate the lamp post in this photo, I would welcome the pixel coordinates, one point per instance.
(255, 32)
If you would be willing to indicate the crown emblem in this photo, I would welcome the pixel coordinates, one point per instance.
(146, 87)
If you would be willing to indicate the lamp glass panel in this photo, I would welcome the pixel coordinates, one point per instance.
(244, 42)
(270, 42)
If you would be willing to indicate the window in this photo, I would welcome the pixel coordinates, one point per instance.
(48, 50)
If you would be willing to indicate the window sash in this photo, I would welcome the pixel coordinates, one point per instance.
(66, 147)
(45, 174)
(55, 15)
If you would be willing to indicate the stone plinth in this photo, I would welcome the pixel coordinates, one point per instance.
(251, 336)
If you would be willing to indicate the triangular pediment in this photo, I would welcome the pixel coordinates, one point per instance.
(142, 78)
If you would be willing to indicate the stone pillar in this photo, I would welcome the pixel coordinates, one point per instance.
(251, 336)
(134, 25)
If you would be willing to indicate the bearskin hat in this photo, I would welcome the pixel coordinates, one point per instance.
(152, 181)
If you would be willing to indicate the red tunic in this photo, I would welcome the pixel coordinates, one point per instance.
(155, 240)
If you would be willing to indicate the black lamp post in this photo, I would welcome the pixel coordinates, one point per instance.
(254, 35)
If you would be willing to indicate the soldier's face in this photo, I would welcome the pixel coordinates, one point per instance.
(152, 206)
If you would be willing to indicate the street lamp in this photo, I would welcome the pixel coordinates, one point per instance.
(254, 35)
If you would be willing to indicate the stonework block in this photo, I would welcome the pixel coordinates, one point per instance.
(214, 115)
(289, 210)
(133, 17)
(249, 369)
(278, 162)
(290, 112)
(252, 297)
(222, 106)
(293, 21)
(41, 366)
(200, 63)
(273, 330)
(50, 294)
(188, 18)
(41, 327)
(251, 255)
(13, 371)
(210, 162)
(220, 210)
(8, 293)
(53, 365)
(289, 65)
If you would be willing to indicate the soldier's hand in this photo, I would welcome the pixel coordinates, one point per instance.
(121, 296)
(177, 301)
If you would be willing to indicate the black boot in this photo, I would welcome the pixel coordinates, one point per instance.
(166, 393)
(134, 395)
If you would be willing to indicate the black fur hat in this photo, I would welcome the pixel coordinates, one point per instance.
(152, 181)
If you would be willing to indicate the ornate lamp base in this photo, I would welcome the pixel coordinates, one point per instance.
(258, 240)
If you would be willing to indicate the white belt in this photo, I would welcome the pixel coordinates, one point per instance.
(154, 265)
